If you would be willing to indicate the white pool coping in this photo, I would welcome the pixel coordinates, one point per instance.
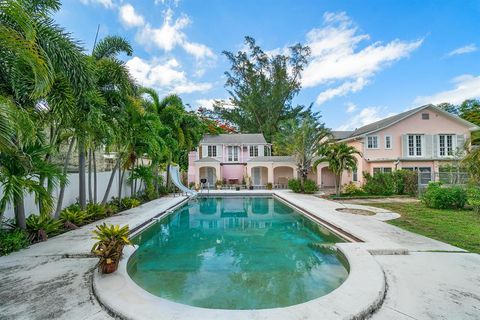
(359, 295)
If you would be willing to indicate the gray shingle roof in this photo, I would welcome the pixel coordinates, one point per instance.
(207, 159)
(234, 138)
(385, 122)
(273, 159)
(339, 135)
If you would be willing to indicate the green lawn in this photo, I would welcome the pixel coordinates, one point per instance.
(460, 228)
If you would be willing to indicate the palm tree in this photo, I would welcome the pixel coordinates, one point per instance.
(340, 157)
(103, 101)
(22, 166)
(301, 138)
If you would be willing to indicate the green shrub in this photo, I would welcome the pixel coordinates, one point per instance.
(381, 184)
(309, 186)
(269, 186)
(111, 209)
(473, 197)
(12, 240)
(129, 203)
(95, 211)
(73, 207)
(352, 189)
(295, 185)
(41, 227)
(438, 197)
(72, 219)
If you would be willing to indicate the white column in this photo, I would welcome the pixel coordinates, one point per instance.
(270, 174)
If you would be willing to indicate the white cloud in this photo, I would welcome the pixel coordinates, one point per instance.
(208, 103)
(341, 90)
(129, 17)
(351, 107)
(171, 35)
(165, 76)
(466, 87)
(462, 50)
(106, 3)
(364, 117)
(336, 59)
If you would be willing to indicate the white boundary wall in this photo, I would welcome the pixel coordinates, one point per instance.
(72, 191)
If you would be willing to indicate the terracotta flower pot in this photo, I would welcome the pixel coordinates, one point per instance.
(110, 267)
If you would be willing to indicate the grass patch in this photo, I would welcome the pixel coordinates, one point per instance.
(458, 227)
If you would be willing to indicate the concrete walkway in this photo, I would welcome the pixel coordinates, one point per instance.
(53, 279)
(426, 279)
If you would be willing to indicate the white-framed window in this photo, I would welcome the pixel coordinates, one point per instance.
(253, 151)
(415, 145)
(267, 151)
(372, 142)
(355, 175)
(388, 142)
(232, 153)
(445, 145)
(212, 151)
(382, 170)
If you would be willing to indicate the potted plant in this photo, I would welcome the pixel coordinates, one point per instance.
(219, 184)
(249, 183)
(197, 187)
(269, 186)
(109, 246)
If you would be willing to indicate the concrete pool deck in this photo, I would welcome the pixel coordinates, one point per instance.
(429, 280)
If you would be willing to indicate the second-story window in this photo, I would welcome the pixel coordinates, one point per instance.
(445, 145)
(212, 151)
(267, 151)
(415, 145)
(232, 152)
(388, 142)
(253, 151)
(372, 142)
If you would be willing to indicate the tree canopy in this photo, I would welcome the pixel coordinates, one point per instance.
(261, 86)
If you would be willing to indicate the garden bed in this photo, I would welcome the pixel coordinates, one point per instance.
(367, 196)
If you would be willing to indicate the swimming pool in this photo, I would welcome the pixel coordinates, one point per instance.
(237, 253)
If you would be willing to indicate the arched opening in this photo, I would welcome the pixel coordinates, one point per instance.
(281, 175)
(259, 176)
(208, 173)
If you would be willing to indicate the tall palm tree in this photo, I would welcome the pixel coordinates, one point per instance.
(301, 138)
(340, 157)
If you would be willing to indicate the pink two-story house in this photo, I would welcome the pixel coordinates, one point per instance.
(239, 158)
(419, 139)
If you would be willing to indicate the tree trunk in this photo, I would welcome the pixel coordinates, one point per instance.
(82, 197)
(19, 209)
(110, 182)
(63, 184)
(120, 181)
(338, 177)
(168, 177)
(90, 196)
(94, 177)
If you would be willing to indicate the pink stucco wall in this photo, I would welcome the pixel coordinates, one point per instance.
(234, 171)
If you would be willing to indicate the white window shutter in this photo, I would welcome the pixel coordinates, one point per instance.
(428, 146)
(261, 152)
(460, 143)
(435, 146)
(204, 151)
(219, 151)
(405, 145)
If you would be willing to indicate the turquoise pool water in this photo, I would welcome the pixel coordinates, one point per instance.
(237, 253)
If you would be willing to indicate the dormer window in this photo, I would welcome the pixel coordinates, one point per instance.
(212, 151)
(253, 151)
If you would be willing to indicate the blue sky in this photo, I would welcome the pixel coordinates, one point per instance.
(370, 59)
